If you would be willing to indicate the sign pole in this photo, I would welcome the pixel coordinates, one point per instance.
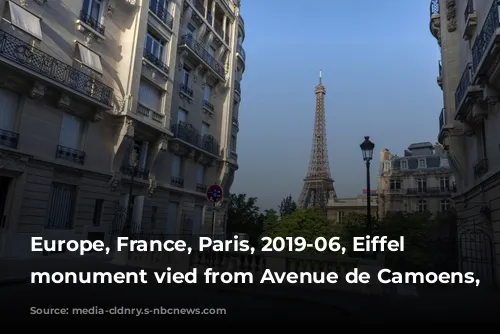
(213, 220)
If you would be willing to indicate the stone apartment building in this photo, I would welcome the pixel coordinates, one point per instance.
(114, 104)
(468, 36)
(419, 181)
(338, 208)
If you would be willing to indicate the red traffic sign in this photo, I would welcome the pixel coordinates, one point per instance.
(214, 193)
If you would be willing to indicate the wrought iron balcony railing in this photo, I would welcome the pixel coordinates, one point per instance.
(469, 9)
(92, 22)
(480, 169)
(442, 119)
(434, 7)
(162, 13)
(463, 86)
(237, 87)
(187, 132)
(8, 138)
(70, 154)
(186, 90)
(201, 188)
(177, 181)
(431, 190)
(241, 52)
(156, 61)
(137, 172)
(143, 110)
(490, 25)
(22, 53)
(209, 106)
(196, 47)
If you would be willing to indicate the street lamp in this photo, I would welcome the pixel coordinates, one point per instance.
(133, 161)
(367, 149)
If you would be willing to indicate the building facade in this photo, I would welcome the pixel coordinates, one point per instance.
(467, 33)
(420, 181)
(113, 108)
(340, 207)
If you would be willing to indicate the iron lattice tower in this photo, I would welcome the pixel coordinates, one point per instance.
(318, 185)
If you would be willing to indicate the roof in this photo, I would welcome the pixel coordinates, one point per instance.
(425, 144)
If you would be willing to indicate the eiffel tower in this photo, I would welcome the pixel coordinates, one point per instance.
(318, 184)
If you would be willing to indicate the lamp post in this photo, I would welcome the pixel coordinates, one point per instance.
(367, 149)
(133, 160)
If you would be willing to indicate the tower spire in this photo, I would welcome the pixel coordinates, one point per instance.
(318, 186)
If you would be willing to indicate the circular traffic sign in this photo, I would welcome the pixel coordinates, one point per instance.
(214, 193)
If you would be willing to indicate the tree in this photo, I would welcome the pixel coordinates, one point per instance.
(287, 206)
(244, 217)
(271, 219)
(309, 224)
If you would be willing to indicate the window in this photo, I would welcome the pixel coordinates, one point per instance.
(191, 30)
(9, 103)
(25, 21)
(62, 206)
(98, 206)
(422, 163)
(93, 8)
(149, 96)
(200, 174)
(422, 206)
(233, 143)
(340, 215)
(185, 76)
(445, 205)
(404, 164)
(181, 116)
(138, 152)
(387, 165)
(176, 166)
(444, 183)
(395, 184)
(173, 211)
(198, 219)
(207, 94)
(422, 184)
(154, 212)
(90, 59)
(204, 128)
(71, 131)
(155, 46)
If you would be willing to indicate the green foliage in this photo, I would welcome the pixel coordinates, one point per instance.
(309, 224)
(287, 206)
(271, 220)
(244, 217)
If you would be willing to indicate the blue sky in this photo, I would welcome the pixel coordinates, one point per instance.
(379, 64)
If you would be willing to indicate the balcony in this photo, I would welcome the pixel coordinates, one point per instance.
(470, 19)
(201, 188)
(15, 52)
(186, 91)
(431, 191)
(187, 133)
(70, 154)
(92, 22)
(208, 107)
(177, 181)
(237, 87)
(465, 94)
(156, 62)
(198, 51)
(435, 21)
(149, 113)
(9, 139)
(162, 13)
(484, 50)
(136, 172)
(440, 75)
(240, 52)
(480, 169)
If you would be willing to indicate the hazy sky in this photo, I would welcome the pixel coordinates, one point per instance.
(379, 64)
